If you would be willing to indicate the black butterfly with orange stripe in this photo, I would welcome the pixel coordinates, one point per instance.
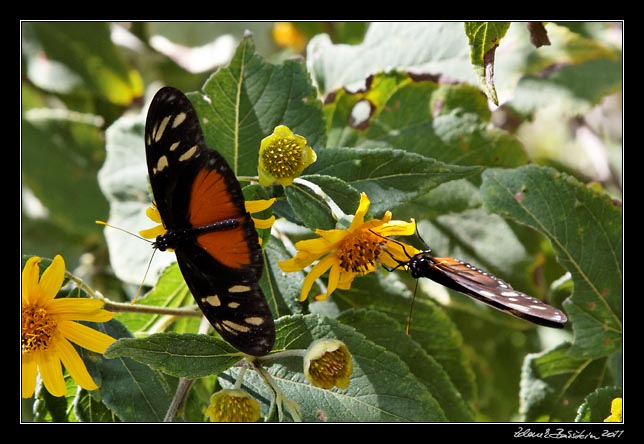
(213, 236)
(481, 285)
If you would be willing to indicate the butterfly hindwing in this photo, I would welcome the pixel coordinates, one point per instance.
(481, 285)
(203, 210)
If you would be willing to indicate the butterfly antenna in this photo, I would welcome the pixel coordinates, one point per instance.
(422, 240)
(100, 222)
(138, 291)
(411, 309)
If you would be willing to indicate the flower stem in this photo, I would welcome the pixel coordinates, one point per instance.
(251, 179)
(280, 355)
(179, 397)
(128, 306)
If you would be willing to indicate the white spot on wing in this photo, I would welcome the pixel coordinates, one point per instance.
(188, 154)
(489, 294)
(234, 304)
(239, 289)
(161, 129)
(175, 145)
(235, 326)
(254, 320)
(178, 120)
(509, 293)
(212, 300)
(162, 163)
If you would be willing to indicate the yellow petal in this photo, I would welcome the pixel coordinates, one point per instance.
(255, 206)
(70, 307)
(397, 228)
(316, 246)
(334, 277)
(51, 372)
(284, 181)
(74, 364)
(299, 262)
(332, 237)
(308, 156)
(85, 337)
(29, 373)
(363, 207)
(262, 224)
(52, 278)
(266, 179)
(30, 279)
(616, 406)
(283, 132)
(317, 271)
(153, 233)
(346, 279)
(400, 251)
(152, 212)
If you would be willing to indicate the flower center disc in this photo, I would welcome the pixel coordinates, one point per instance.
(359, 252)
(283, 158)
(38, 328)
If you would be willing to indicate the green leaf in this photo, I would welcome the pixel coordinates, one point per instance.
(133, 391)
(311, 199)
(439, 48)
(343, 195)
(61, 154)
(554, 383)
(450, 123)
(575, 89)
(389, 177)
(89, 409)
(48, 407)
(170, 291)
(282, 290)
(390, 334)
(309, 207)
(79, 57)
(381, 388)
(244, 102)
(585, 229)
(573, 73)
(182, 355)
(484, 38)
(597, 405)
(430, 328)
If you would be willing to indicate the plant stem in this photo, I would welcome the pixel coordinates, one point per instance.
(178, 399)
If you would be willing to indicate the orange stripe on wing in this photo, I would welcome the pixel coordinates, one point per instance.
(210, 200)
(229, 247)
(455, 267)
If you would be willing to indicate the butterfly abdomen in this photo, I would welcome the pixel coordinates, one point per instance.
(179, 236)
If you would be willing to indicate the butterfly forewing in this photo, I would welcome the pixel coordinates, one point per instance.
(481, 285)
(202, 207)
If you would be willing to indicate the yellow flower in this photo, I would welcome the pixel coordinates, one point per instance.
(287, 35)
(354, 251)
(252, 206)
(283, 156)
(232, 405)
(615, 411)
(327, 363)
(153, 214)
(48, 327)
